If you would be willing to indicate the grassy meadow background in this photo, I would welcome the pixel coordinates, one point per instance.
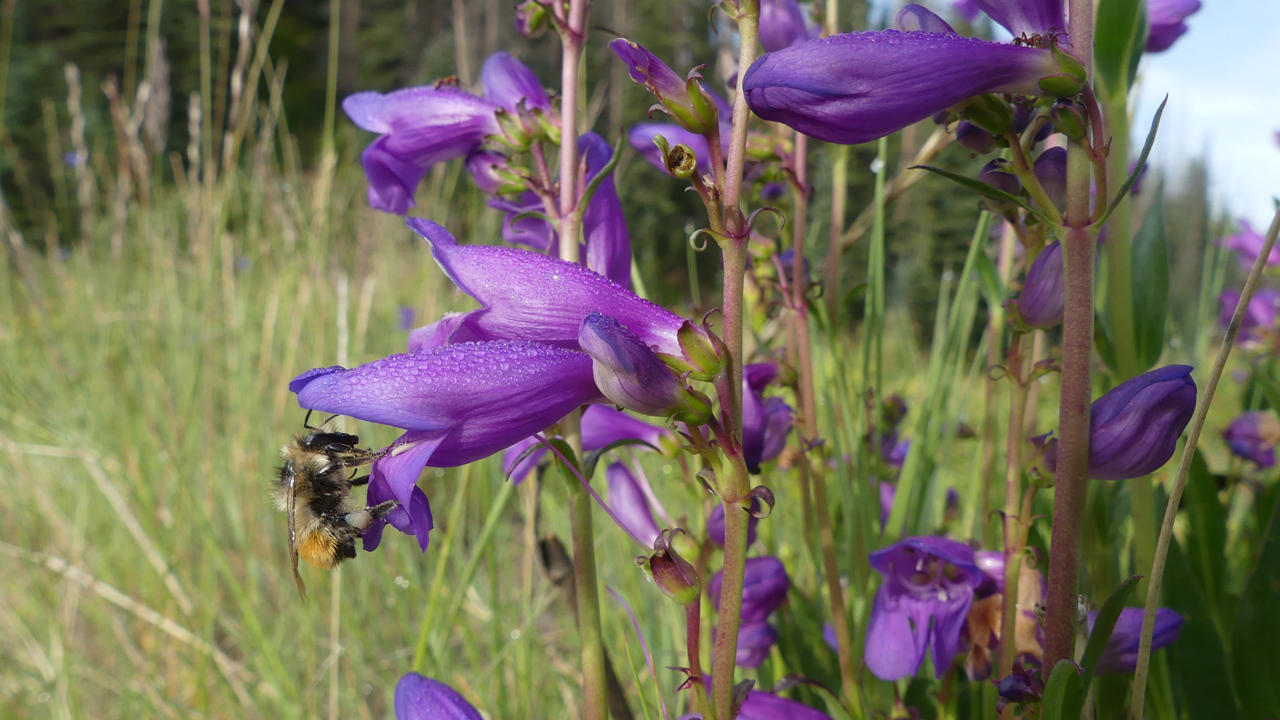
(185, 230)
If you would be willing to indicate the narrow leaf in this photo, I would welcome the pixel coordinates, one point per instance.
(1257, 630)
(1137, 169)
(1063, 697)
(1120, 37)
(1150, 272)
(984, 190)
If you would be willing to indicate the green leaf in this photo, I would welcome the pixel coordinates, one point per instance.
(984, 190)
(1269, 390)
(1119, 39)
(1257, 631)
(1137, 169)
(1150, 272)
(992, 287)
(1063, 695)
(1102, 627)
(1198, 667)
(1102, 341)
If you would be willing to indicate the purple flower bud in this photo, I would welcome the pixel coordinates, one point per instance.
(994, 174)
(917, 18)
(693, 108)
(632, 375)
(1041, 303)
(1135, 427)
(1120, 657)
(1018, 687)
(1253, 436)
(672, 573)
(923, 602)
(531, 19)
(715, 524)
(858, 87)
(421, 698)
(527, 295)
(1070, 118)
(755, 639)
(1249, 243)
(1051, 170)
(772, 192)
(887, 491)
(490, 172)
(1166, 18)
(974, 139)
(764, 588)
(782, 24)
(628, 502)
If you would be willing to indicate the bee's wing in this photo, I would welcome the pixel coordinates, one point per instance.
(290, 502)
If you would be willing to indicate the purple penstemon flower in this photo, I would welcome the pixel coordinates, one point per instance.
(1042, 301)
(629, 503)
(921, 604)
(715, 524)
(420, 698)
(1259, 317)
(764, 587)
(686, 100)
(457, 403)
(1249, 243)
(783, 24)
(1120, 657)
(858, 87)
(1253, 436)
(632, 375)
(421, 126)
(1167, 20)
(530, 296)
(766, 422)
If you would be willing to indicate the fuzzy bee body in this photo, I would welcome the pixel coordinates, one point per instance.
(315, 491)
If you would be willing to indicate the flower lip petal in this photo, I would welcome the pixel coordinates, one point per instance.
(420, 698)
(507, 81)
(1026, 17)
(529, 296)
(858, 87)
(917, 18)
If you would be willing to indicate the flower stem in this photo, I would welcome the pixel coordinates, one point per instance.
(1012, 500)
(733, 490)
(1073, 414)
(693, 635)
(1184, 466)
(588, 591)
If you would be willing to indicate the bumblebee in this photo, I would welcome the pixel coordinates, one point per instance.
(315, 490)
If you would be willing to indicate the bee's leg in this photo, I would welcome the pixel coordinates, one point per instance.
(362, 518)
(358, 481)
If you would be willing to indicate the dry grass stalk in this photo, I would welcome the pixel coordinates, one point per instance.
(84, 179)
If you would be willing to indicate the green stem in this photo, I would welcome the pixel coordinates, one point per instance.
(587, 589)
(1184, 467)
(733, 490)
(1012, 501)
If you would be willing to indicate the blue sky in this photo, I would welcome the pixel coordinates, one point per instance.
(1223, 82)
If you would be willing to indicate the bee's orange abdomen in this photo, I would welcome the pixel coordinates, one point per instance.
(320, 550)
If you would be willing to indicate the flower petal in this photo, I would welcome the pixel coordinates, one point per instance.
(895, 638)
(421, 698)
(485, 395)
(629, 504)
(782, 24)
(507, 81)
(528, 296)
(1026, 17)
(641, 138)
(604, 227)
(858, 87)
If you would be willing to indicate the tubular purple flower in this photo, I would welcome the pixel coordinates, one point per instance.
(604, 227)
(1041, 303)
(917, 18)
(779, 419)
(766, 422)
(490, 172)
(448, 329)
(1135, 427)
(1260, 316)
(530, 231)
(459, 403)
(1248, 243)
(782, 24)
(991, 563)
(1253, 436)
(1166, 18)
(974, 139)
(755, 640)
(629, 503)
(715, 524)
(418, 128)
(995, 175)
(1120, 657)
(858, 87)
(923, 602)
(421, 698)
(1051, 170)
(411, 518)
(529, 296)
(632, 375)
(507, 82)
(767, 706)
(691, 105)
(1026, 17)
(764, 588)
